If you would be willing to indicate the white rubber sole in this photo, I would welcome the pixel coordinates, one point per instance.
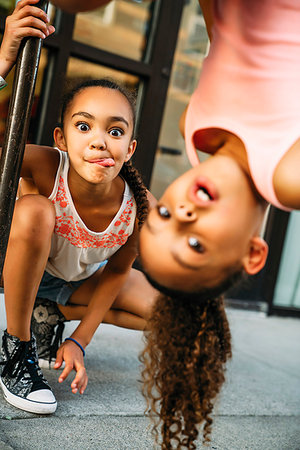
(28, 405)
(44, 364)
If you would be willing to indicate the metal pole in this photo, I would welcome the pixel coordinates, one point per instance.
(16, 132)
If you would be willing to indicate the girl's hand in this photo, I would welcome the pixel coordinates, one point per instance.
(26, 21)
(73, 357)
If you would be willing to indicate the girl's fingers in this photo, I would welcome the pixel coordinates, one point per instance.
(31, 32)
(80, 381)
(22, 3)
(31, 22)
(66, 372)
(51, 29)
(84, 385)
(33, 28)
(28, 11)
(58, 361)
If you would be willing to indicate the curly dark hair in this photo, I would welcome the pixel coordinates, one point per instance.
(188, 343)
(129, 173)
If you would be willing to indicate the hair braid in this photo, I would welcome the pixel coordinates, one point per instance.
(134, 179)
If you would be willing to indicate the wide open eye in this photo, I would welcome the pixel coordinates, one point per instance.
(163, 212)
(82, 126)
(195, 245)
(116, 132)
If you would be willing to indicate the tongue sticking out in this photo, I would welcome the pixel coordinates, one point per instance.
(107, 162)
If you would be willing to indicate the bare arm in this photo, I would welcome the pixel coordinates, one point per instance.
(26, 21)
(112, 279)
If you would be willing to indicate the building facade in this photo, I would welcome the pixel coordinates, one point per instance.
(155, 48)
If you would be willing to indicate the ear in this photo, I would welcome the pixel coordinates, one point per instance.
(256, 257)
(59, 139)
(131, 150)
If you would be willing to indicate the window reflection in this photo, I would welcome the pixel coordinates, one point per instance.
(171, 160)
(120, 27)
(287, 292)
(78, 69)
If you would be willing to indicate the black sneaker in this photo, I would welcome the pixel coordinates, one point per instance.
(47, 325)
(21, 378)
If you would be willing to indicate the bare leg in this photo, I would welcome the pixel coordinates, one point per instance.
(26, 257)
(115, 317)
(130, 309)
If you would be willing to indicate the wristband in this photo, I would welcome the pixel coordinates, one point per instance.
(77, 343)
(3, 83)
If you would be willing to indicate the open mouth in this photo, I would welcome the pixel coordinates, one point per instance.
(203, 191)
(203, 194)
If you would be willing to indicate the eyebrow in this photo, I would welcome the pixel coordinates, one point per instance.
(84, 114)
(118, 119)
(110, 119)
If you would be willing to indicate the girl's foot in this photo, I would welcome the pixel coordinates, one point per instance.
(21, 378)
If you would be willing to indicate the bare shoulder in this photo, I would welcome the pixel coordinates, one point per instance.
(40, 165)
(39, 158)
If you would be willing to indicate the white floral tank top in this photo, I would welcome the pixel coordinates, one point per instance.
(77, 251)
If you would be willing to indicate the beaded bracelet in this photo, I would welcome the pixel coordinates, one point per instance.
(77, 343)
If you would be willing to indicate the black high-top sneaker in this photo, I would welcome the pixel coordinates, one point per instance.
(47, 325)
(21, 378)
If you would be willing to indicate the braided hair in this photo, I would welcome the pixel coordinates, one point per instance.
(128, 172)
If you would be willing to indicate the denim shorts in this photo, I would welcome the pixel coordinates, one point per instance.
(57, 289)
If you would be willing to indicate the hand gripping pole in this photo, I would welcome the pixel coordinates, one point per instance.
(16, 131)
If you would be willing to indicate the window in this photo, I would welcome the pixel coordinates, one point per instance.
(121, 27)
(171, 160)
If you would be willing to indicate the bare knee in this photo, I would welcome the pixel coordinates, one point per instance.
(33, 219)
(137, 295)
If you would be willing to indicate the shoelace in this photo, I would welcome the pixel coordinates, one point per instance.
(24, 354)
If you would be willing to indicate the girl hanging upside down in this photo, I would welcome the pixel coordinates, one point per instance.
(204, 233)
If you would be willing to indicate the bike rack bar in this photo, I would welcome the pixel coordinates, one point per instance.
(16, 131)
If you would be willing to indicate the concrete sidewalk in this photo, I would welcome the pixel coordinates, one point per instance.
(259, 408)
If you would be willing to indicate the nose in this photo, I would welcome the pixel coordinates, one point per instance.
(98, 142)
(185, 212)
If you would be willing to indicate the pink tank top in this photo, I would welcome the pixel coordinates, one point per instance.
(250, 84)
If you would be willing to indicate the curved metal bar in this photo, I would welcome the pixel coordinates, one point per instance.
(16, 132)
